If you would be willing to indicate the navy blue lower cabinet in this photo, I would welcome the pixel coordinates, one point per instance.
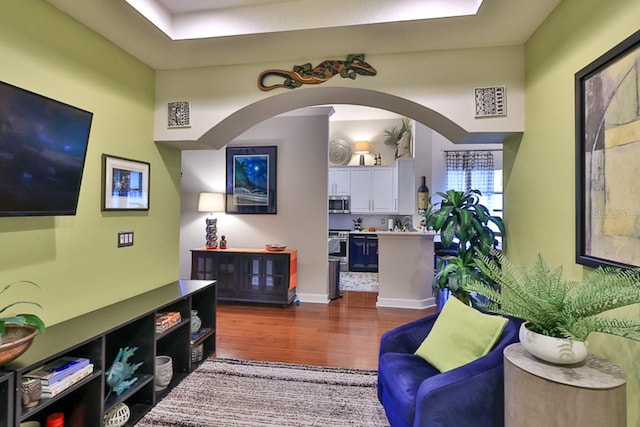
(363, 252)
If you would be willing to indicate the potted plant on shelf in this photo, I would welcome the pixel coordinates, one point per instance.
(461, 219)
(17, 331)
(393, 135)
(559, 314)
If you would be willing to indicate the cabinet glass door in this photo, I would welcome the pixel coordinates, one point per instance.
(224, 274)
(202, 267)
(255, 273)
(276, 275)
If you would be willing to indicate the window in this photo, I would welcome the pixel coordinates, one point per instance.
(493, 201)
(467, 170)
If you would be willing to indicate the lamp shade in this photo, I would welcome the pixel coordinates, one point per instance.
(362, 147)
(211, 202)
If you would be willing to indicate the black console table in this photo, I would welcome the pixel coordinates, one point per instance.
(248, 275)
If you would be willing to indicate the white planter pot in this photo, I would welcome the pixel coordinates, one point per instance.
(560, 351)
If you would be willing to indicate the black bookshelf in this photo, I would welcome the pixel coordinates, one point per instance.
(99, 335)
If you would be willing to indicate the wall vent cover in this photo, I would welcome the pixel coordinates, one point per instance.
(179, 114)
(490, 101)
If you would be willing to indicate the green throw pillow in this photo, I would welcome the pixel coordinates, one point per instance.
(460, 335)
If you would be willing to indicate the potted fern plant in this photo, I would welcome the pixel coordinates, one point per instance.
(17, 331)
(463, 220)
(559, 314)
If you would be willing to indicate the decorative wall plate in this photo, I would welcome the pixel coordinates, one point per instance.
(339, 152)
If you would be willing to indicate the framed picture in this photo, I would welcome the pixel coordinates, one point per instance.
(608, 158)
(251, 180)
(125, 184)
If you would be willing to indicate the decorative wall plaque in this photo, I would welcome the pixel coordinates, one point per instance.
(491, 101)
(179, 114)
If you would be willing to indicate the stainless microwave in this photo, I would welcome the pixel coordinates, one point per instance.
(340, 204)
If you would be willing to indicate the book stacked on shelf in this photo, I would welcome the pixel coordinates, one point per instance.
(60, 374)
(167, 320)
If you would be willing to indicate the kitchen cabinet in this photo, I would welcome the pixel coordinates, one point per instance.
(363, 252)
(339, 181)
(372, 189)
(248, 275)
(405, 186)
(98, 336)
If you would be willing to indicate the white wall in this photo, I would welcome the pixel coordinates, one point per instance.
(301, 219)
(442, 80)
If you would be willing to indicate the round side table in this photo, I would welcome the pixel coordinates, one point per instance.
(537, 393)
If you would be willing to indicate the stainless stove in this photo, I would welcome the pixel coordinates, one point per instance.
(339, 247)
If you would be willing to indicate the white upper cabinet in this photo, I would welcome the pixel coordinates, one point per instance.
(339, 181)
(372, 189)
(376, 189)
(383, 194)
(405, 186)
(360, 190)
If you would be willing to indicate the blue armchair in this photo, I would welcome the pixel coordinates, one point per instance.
(415, 394)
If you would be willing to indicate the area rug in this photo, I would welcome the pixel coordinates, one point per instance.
(356, 281)
(231, 392)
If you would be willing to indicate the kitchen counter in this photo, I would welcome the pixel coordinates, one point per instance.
(407, 233)
(405, 269)
(403, 233)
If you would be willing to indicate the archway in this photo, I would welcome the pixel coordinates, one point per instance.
(252, 114)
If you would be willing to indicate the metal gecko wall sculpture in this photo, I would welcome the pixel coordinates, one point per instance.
(352, 67)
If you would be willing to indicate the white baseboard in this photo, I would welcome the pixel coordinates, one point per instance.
(406, 303)
(314, 298)
(382, 302)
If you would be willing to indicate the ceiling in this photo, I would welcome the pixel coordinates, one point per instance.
(292, 31)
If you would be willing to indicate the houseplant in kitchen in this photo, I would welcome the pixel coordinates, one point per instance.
(393, 135)
(461, 219)
(17, 331)
(559, 314)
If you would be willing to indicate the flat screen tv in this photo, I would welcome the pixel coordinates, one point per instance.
(43, 146)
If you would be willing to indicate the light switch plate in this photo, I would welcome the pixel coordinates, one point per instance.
(125, 238)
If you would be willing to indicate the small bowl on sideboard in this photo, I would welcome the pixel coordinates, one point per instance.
(275, 247)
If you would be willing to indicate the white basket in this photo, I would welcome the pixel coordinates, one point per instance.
(117, 416)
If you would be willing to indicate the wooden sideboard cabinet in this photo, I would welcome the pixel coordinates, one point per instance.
(98, 336)
(248, 275)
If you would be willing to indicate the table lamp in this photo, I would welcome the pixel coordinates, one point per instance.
(211, 202)
(362, 148)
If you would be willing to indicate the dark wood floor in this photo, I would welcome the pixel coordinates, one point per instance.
(344, 333)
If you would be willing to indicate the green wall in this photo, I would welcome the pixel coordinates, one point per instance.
(540, 170)
(75, 258)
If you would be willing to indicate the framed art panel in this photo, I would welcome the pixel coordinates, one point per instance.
(125, 184)
(608, 158)
(251, 180)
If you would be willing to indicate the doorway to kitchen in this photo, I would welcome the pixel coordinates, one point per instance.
(316, 281)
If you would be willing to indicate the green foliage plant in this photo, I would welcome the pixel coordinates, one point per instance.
(462, 218)
(556, 307)
(393, 135)
(23, 318)
(454, 271)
